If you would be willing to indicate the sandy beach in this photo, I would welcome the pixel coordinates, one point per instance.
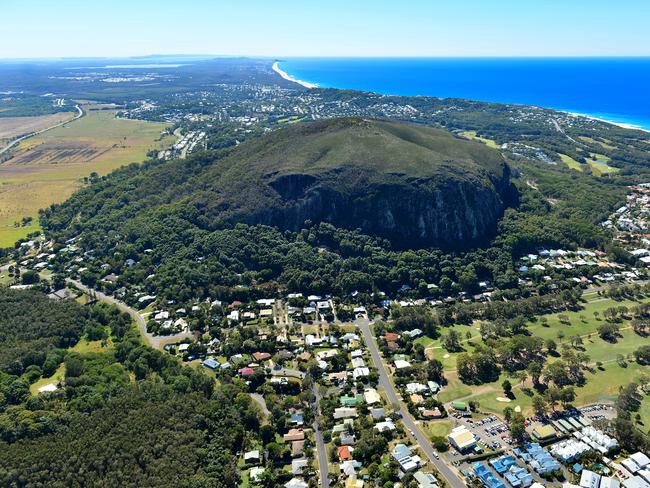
(288, 77)
(618, 124)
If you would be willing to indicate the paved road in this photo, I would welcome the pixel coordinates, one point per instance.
(323, 462)
(80, 113)
(384, 380)
(157, 342)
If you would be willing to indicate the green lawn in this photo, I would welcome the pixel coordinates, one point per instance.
(55, 378)
(470, 134)
(570, 162)
(438, 428)
(601, 386)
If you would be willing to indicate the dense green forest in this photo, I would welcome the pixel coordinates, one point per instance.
(150, 214)
(129, 416)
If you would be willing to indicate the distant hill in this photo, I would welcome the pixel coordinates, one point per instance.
(413, 185)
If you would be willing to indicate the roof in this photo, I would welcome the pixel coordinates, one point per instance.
(461, 438)
(425, 480)
(344, 453)
(458, 405)
(544, 432)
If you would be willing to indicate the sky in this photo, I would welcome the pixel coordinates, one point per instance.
(285, 28)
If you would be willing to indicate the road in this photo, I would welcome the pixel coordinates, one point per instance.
(323, 462)
(384, 380)
(80, 113)
(157, 342)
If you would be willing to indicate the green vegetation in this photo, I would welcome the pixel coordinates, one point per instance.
(48, 168)
(121, 402)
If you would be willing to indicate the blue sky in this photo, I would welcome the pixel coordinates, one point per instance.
(55, 28)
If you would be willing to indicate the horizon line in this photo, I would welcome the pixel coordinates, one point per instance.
(332, 56)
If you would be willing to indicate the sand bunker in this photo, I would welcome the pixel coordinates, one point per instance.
(503, 399)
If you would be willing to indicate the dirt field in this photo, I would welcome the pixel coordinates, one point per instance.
(13, 127)
(48, 168)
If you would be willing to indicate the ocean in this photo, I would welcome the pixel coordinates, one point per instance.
(614, 89)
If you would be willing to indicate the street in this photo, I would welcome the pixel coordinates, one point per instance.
(384, 380)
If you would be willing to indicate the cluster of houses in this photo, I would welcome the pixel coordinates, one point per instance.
(629, 223)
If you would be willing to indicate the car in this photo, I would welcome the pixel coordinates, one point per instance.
(436, 455)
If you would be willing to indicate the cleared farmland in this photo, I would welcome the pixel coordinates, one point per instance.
(48, 168)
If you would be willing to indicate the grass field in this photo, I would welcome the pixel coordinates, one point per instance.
(601, 385)
(48, 168)
(470, 134)
(438, 428)
(570, 162)
(599, 166)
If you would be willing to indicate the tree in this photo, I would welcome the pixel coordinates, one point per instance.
(518, 427)
(435, 371)
(507, 387)
(451, 341)
(608, 332)
(551, 346)
(540, 405)
(642, 355)
(535, 371)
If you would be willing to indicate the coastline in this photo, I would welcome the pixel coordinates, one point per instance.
(288, 77)
(622, 125)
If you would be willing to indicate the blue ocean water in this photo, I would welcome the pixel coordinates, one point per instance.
(616, 89)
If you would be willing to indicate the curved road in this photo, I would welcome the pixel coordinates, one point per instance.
(384, 380)
(154, 341)
(80, 113)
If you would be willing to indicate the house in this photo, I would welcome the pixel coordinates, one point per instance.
(461, 438)
(345, 412)
(609, 483)
(252, 457)
(296, 483)
(353, 482)
(589, 479)
(431, 414)
(385, 426)
(371, 396)
(297, 448)
(347, 439)
(415, 388)
(401, 364)
(305, 356)
(344, 453)
(246, 372)
(297, 466)
(391, 336)
(211, 363)
(261, 356)
(425, 480)
(358, 363)
(378, 413)
(294, 435)
(404, 457)
(360, 373)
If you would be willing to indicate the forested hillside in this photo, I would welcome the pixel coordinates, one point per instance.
(126, 416)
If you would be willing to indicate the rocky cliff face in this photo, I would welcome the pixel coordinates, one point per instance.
(411, 212)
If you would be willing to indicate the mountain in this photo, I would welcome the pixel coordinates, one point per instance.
(411, 184)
